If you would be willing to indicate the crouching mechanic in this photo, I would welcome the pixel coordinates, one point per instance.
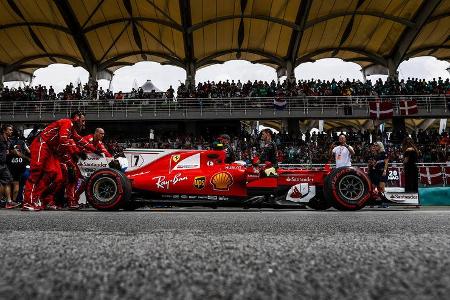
(96, 140)
(45, 170)
(75, 185)
(69, 168)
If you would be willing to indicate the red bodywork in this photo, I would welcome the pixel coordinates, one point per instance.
(204, 172)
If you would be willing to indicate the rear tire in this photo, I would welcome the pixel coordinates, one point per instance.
(108, 189)
(347, 188)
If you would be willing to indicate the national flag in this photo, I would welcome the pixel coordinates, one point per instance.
(408, 107)
(279, 103)
(381, 110)
(431, 175)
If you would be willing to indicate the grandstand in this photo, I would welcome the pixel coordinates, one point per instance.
(103, 36)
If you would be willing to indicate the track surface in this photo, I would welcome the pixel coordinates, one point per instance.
(232, 254)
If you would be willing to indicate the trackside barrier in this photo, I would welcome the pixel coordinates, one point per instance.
(434, 196)
(430, 174)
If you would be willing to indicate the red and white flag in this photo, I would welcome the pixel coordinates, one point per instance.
(279, 103)
(408, 107)
(431, 175)
(381, 110)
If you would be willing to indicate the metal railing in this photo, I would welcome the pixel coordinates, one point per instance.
(340, 105)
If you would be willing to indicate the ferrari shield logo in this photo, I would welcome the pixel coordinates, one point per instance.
(176, 157)
(199, 182)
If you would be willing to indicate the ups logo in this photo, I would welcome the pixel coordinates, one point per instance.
(199, 182)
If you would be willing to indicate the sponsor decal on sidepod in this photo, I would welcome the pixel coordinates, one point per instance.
(162, 183)
(301, 192)
(300, 179)
(199, 182)
(222, 181)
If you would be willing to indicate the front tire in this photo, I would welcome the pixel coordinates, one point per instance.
(108, 189)
(347, 188)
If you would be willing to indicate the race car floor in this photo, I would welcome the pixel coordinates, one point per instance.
(226, 253)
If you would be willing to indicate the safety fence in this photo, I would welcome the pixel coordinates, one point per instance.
(430, 174)
(341, 105)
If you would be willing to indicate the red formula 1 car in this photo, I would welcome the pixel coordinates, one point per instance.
(200, 177)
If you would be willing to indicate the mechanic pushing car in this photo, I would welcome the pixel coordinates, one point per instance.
(45, 171)
(96, 140)
(70, 171)
(75, 185)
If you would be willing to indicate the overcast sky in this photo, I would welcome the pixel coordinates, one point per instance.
(59, 75)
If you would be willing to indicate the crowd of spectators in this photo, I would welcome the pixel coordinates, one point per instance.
(314, 88)
(42, 93)
(304, 148)
(211, 89)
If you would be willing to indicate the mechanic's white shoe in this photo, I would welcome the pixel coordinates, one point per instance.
(30, 207)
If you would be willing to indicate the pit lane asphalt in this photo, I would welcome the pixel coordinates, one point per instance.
(232, 254)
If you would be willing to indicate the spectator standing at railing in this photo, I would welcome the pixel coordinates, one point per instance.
(342, 153)
(170, 93)
(119, 96)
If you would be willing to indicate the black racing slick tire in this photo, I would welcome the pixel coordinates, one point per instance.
(347, 188)
(319, 202)
(108, 189)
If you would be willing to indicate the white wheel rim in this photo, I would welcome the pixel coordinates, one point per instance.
(351, 188)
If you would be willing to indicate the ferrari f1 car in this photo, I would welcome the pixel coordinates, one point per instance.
(200, 177)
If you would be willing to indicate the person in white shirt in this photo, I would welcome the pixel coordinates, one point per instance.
(342, 153)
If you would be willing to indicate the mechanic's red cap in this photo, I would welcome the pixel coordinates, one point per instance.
(268, 164)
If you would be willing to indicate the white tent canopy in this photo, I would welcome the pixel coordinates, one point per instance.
(148, 86)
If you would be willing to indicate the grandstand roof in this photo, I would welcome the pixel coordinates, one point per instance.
(108, 34)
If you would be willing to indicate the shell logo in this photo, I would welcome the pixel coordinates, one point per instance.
(222, 181)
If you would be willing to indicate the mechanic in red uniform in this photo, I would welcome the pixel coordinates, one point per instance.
(96, 140)
(75, 186)
(45, 170)
(70, 171)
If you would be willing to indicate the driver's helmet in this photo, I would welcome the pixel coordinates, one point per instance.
(217, 146)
